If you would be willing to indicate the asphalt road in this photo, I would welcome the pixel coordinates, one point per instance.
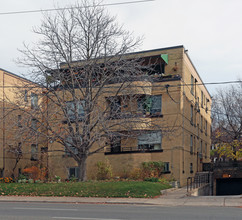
(60, 211)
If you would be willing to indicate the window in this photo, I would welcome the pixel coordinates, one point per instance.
(69, 148)
(156, 69)
(150, 104)
(143, 104)
(205, 150)
(115, 144)
(194, 143)
(201, 147)
(25, 95)
(192, 85)
(150, 141)
(206, 127)
(202, 99)
(192, 114)
(20, 121)
(191, 144)
(75, 108)
(115, 107)
(155, 105)
(201, 123)
(34, 124)
(74, 172)
(191, 168)
(34, 101)
(206, 105)
(34, 152)
(166, 167)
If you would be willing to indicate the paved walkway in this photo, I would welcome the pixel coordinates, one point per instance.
(171, 197)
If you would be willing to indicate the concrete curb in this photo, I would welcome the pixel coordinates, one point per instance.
(229, 201)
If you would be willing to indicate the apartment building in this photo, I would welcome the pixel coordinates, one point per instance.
(174, 111)
(20, 145)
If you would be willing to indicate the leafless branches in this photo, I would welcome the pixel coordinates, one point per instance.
(90, 89)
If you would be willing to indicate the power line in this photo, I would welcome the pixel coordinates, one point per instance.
(161, 86)
(59, 9)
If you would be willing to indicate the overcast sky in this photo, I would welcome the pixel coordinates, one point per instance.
(211, 30)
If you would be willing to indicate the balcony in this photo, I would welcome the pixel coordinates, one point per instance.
(128, 150)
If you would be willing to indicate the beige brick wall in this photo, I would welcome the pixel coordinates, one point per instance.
(176, 110)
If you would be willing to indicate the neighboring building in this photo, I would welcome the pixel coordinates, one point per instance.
(180, 103)
(20, 146)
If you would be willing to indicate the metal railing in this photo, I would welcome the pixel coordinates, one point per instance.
(129, 149)
(200, 179)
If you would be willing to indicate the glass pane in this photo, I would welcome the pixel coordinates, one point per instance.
(156, 104)
(34, 100)
(150, 138)
(69, 144)
(157, 146)
(81, 108)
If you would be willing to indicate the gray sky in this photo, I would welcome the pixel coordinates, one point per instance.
(211, 30)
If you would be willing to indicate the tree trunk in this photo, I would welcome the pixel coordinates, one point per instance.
(82, 169)
(14, 167)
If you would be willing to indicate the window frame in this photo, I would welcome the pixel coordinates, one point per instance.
(26, 95)
(192, 84)
(191, 143)
(115, 107)
(34, 152)
(71, 147)
(201, 123)
(115, 144)
(146, 104)
(201, 147)
(206, 127)
(149, 146)
(156, 111)
(71, 106)
(76, 170)
(34, 101)
(167, 167)
(191, 167)
(192, 114)
(34, 122)
(202, 98)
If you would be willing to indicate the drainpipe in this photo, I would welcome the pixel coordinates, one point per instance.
(183, 131)
(4, 162)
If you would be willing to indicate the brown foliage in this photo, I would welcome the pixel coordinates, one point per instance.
(35, 173)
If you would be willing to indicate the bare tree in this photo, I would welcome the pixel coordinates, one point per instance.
(227, 122)
(89, 82)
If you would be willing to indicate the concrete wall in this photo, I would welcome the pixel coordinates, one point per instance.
(202, 191)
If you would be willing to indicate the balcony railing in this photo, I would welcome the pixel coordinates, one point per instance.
(123, 150)
(135, 114)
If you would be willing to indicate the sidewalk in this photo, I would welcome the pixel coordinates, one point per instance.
(171, 197)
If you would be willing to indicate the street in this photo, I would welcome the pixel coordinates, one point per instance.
(61, 211)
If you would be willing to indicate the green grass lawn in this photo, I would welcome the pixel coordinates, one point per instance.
(135, 189)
